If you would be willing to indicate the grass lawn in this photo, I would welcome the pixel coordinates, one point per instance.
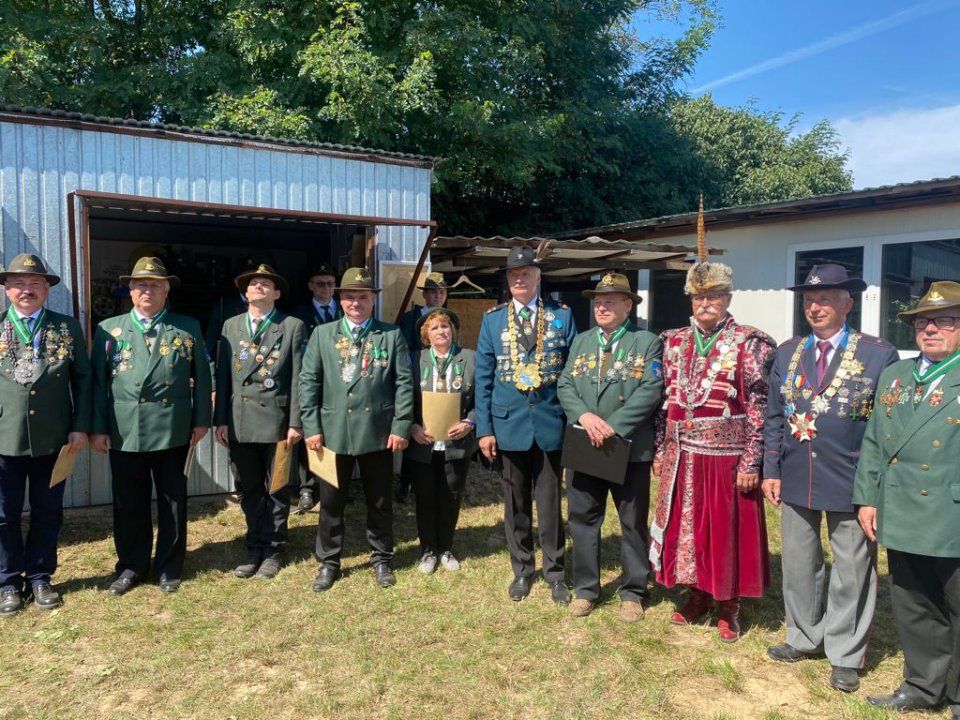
(450, 645)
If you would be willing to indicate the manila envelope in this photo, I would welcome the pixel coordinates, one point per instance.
(190, 461)
(441, 411)
(323, 464)
(63, 468)
(281, 467)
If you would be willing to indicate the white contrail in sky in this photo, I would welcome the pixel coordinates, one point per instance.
(871, 28)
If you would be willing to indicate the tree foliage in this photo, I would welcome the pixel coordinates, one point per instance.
(545, 114)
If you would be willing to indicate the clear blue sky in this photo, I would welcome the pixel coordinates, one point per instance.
(885, 73)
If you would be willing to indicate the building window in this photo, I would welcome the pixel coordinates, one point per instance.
(851, 258)
(908, 270)
(671, 306)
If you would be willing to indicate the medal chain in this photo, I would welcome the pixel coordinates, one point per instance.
(846, 362)
(514, 354)
(686, 397)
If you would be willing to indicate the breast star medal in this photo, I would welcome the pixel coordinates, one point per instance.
(803, 427)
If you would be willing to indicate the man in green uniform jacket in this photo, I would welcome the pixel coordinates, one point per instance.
(44, 404)
(908, 489)
(151, 402)
(356, 398)
(611, 385)
(257, 407)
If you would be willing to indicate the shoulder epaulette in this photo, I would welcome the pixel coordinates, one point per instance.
(496, 307)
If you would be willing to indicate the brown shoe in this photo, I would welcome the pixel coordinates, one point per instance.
(631, 611)
(581, 607)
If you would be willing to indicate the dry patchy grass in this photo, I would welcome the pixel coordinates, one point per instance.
(450, 645)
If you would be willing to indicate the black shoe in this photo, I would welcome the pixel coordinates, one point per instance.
(123, 584)
(519, 588)
(169, 585)
(306, 501)
(898, 701)
(45, 597)
(788, 653)
(560, 593)
(384, 575)
(270, 567)
(248, 567)
(325, 579)
(844, 679)
(11, 602)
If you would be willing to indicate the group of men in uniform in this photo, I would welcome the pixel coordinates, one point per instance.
(830, 423)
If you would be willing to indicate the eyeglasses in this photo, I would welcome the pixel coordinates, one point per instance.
(324, 283)
(948, 322)
(709, 298)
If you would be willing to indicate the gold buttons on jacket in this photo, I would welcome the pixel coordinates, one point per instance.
(950, 421)
(886, 437)
(923, 493)
(924, 467)
(142, 400)
(33, 392)
(936, 443)
(893, 461)
(33, 412)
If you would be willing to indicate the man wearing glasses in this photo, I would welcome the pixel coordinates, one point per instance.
(321, 308)
(908, 490)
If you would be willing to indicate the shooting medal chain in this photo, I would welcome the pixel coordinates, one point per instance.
(526, 376)
(25, 364)
(692, 395)
(804, 427)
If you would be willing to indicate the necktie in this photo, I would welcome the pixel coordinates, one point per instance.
(327, 317)
(605, 355)
(525, 315)
(824, 347)
(356, 333)
(254, 324)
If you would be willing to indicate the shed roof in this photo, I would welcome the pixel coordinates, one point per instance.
(85, 121)
(887, 197)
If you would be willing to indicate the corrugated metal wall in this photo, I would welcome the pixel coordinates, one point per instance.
(41, 164)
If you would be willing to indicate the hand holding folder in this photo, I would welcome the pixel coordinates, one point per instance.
(607, 462)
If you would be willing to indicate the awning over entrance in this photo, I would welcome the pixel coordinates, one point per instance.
(571, 260)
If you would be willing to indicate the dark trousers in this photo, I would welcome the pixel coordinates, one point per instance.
(376, 474)
(587, 506)
(926, 608)
(439, 489)
(134, 476)
(35, 559)
(266, 514)
(530, 475)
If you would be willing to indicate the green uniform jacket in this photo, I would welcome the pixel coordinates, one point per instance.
(37, 416)
(257, 389)
(455, 449)
(356, 416)
(909, 467)
(142, 399)
(630, 392)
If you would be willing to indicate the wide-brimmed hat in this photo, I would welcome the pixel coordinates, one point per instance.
(522, 256)
(829, 277)
(265, 271)
(435, 311)
(149, 268)
(322, 269)
(357, 278)
(433, 281)
(27, 264)
(613, 283)
(942, 294)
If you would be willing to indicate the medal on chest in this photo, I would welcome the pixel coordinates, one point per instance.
(803, 427)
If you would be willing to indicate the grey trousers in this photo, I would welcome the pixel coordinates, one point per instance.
(839, 626)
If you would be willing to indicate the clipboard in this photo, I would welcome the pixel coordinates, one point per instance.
(607, 462)
(323, 464)
(64, 467)
(441, 411)
(280, 476)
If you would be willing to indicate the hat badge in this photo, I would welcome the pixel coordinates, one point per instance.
(29, 262)
(363, 275)
(935, 297)
(815, 280)
(263, 268)
(149, 266)
(607, 281)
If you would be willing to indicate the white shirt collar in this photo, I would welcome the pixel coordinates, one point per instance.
(517, 306)
(320, 306)
(34, 315)
(352, 325)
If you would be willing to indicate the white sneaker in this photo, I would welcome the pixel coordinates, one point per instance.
(449, 562)
(428, 563)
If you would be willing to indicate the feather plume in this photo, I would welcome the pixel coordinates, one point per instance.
(701, 234)
(543, 249)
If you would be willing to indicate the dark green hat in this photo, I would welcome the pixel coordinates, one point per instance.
(27, 264)
(522, 256)
(262, 270)
(323, 269)
(437, 311)
(942, 294)
(433, 281)
(357, 278)
(149, 268)
(613, 283)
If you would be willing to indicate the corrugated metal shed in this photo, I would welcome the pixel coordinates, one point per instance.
(45, 156)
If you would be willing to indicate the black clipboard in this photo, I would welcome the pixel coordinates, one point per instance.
(607, 462)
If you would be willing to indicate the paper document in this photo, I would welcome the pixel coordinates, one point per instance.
(323, 464)
(66, 462)
(441, 411)
(281, 467)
